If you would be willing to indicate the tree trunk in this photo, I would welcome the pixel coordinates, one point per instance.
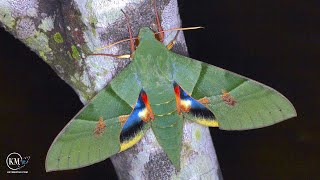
(63, 33)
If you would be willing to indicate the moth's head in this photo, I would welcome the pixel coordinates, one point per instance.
(146, 33)
(147, 43)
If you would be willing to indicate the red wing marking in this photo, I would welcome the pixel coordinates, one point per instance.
(177, 95)
(147, 104)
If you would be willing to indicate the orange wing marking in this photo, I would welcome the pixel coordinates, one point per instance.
(123, 119)
(204, 100)
(228, 99)
(101, 125)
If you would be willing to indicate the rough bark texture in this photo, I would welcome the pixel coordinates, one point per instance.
(64, 32)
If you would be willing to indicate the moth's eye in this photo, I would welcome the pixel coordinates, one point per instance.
(136, 42)
(157, 36)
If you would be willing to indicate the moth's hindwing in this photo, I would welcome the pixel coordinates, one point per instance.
(192, 109)
(136, 124)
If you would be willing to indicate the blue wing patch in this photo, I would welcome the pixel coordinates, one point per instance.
(193, 109)
(134, 127)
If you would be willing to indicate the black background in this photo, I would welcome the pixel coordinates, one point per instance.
(274, 42)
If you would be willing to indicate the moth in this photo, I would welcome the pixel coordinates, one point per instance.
(160, 90)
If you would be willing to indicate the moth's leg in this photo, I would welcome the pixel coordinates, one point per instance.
(132, 48)
(160, 30)
(173, 41)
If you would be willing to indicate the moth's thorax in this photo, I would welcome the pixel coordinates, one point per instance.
(155, 71)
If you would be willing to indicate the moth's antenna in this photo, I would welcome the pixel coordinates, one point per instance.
(110, 45)
(181, 29)
(124, 56)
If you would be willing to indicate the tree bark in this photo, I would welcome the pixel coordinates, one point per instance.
(63, 33)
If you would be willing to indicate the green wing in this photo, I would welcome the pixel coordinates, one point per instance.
(240, 103)
(91, 136)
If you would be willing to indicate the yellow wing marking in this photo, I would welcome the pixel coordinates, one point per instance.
(129, 143)
(207, 122)
(169, 113)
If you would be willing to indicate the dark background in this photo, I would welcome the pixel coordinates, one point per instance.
(274, 42)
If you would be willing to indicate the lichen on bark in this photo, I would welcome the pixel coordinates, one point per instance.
(64, 33)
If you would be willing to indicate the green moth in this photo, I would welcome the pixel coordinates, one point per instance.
(160, 90)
